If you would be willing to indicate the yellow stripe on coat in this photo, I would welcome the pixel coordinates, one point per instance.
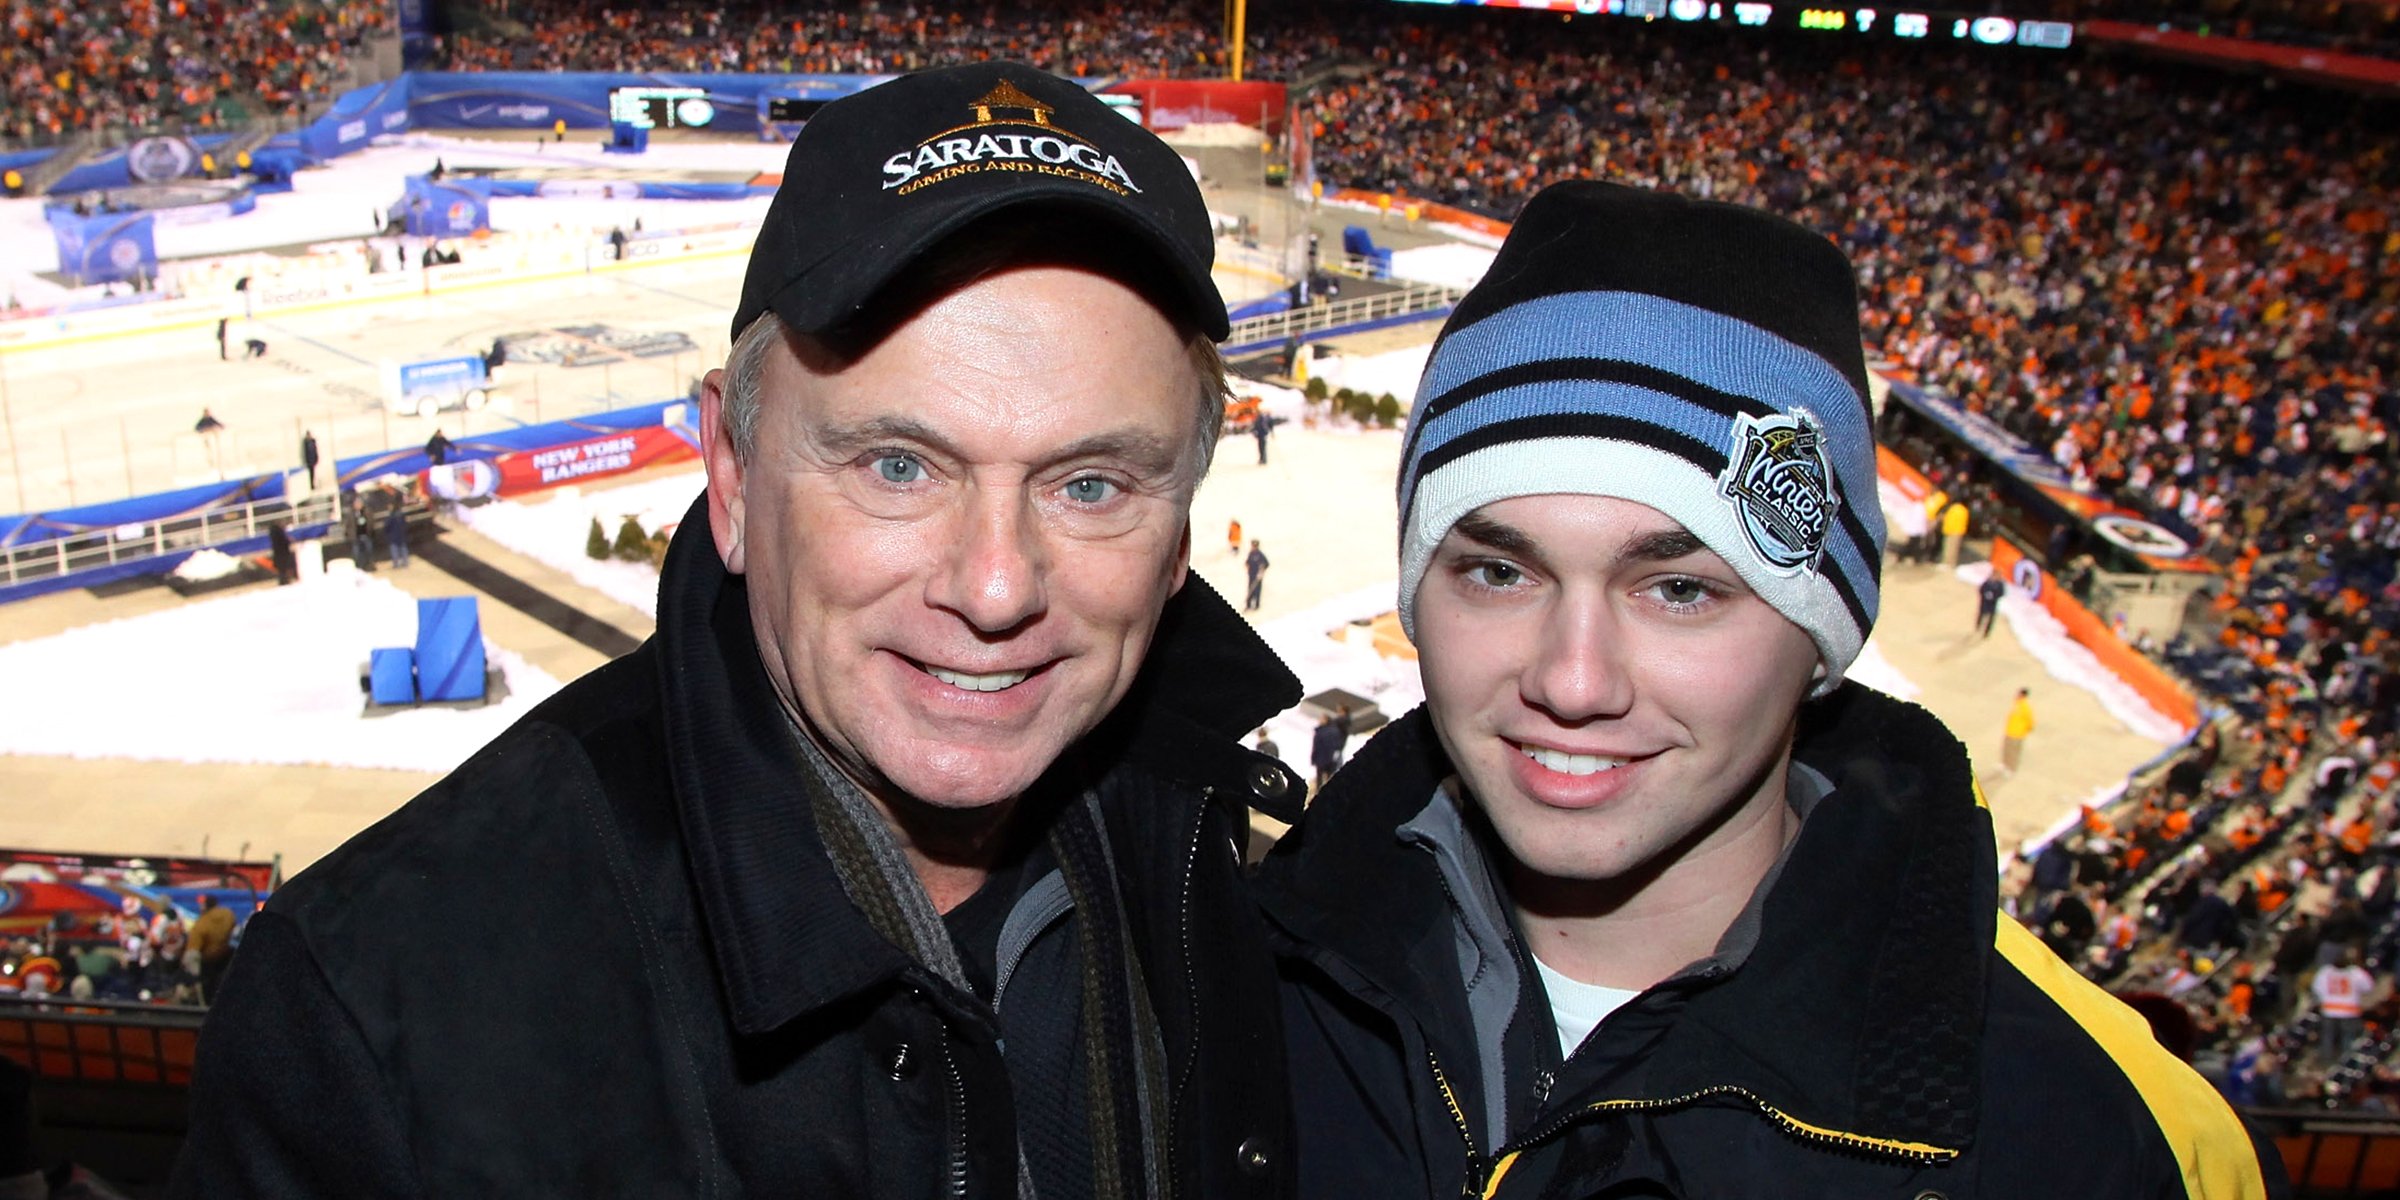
(2218, 1159)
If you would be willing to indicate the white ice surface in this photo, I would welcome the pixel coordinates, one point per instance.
(266, 676)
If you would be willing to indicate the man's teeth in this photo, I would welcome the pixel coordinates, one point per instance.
(1571, 764)
(979, 683)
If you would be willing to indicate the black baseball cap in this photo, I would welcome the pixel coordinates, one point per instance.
(881, 176)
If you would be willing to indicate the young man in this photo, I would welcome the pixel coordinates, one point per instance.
(936, 751)
(1645, 901)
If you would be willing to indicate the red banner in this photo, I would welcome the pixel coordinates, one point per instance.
(2166, 695)
(1175, 103)
(2324, 66)
(520, 471)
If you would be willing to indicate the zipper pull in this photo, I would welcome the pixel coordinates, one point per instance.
(1543, 1081)
(1479, 1171)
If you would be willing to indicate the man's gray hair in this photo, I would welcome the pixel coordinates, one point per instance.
(746, 367)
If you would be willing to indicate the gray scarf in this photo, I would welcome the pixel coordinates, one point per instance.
(1121, 1037)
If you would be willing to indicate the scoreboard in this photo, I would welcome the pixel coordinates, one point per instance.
(661, 107)
(1902, 24)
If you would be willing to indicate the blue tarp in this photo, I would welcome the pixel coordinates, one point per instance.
(449, 649)
(1261, 307)
(161, 506)
(1356, 240)
(392, 675)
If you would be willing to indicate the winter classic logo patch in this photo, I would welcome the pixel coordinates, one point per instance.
(1781, 486)
(1027, 143)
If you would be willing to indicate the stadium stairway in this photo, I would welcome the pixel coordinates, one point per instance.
(70, 155)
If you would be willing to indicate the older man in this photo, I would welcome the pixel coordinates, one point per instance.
(935, 752)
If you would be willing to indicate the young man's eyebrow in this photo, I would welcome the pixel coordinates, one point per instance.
(1665, 545)
(1494, 535)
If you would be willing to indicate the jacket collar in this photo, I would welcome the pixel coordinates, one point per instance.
(786, 937)
(1860, 1005)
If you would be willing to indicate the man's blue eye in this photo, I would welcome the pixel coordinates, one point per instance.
(899, 468)
(1090, 490)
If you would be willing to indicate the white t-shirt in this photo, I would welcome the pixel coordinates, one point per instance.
(1577, 1007)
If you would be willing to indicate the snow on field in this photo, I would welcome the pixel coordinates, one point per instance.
(2047, 641)
(553, 528)
(1456, 264)
(271, 675)
(1394, 371)
(266, 676)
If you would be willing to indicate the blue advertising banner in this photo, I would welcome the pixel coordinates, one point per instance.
(104, 247)
(2020, 457)
(602, 189)
(358, 116)
(416, 31)
(451, 208)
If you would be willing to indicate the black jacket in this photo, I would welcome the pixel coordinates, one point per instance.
(609, 957)
(1869, 1028)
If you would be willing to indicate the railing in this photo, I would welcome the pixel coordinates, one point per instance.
(99, 548)
(111, 1082)
(1415, 300)
(101, 1042)
(2334, 1156)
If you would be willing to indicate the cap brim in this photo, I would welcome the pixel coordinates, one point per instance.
(818, 301)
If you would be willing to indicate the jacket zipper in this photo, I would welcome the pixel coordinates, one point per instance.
(1191, 985)
(956, 1103)
(1484, 1178)
(1477, 1168)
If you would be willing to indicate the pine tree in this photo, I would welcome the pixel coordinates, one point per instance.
(632, 544)
(596, 543)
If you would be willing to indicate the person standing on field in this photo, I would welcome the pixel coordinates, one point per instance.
(2018, 728)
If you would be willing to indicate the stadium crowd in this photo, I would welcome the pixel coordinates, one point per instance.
(148, 953)
(2185, 293)
(173, 65)
(1148, 39)
(2197, 325)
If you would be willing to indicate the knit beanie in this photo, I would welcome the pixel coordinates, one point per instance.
(1696, 357)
